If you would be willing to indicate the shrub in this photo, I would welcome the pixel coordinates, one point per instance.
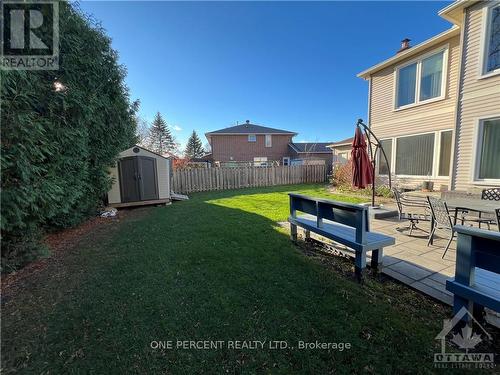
(57, 146)
(342, 180)
(342, 174)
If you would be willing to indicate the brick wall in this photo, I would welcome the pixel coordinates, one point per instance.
(237, 148)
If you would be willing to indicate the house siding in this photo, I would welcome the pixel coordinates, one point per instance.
(327, 157)
(479, 98)
(227, 148)
(386, 122)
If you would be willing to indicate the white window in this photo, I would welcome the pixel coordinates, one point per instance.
(286, 161)
(488, 150)
(491, 48)
(414, 155)
(260, 161)
(252, 138)
(342, 157)
(421, 80)
(421, 155)
(269, 142)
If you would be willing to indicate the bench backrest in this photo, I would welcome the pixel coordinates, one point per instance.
(476, 248)
(352, 215)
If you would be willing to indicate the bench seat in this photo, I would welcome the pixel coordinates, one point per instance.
(344, 223)
(342, 234)
(477, 272)
(485, 290)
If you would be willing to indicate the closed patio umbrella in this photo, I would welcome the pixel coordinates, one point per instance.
(362, 169)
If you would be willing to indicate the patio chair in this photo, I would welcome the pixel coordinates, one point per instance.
(442, 220)
(491, 194)
(497, 214)
(408, 210)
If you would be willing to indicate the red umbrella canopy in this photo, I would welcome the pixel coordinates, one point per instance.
(362, 172)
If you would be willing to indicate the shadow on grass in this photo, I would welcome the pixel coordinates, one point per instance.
(201, 271)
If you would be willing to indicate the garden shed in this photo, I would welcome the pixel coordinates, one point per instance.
(140, 177)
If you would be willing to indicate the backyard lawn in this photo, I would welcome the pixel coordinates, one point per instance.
(216, 267)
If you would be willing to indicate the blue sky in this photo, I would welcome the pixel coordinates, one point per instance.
(288, 65)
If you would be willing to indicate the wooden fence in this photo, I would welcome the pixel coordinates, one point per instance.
(206, 179)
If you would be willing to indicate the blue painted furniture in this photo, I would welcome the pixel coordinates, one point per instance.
(347, 224)
(477, 274)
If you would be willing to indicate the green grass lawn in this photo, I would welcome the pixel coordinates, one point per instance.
(216, 267)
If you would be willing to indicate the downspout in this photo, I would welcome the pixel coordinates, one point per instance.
(368, 117)
(456, 137)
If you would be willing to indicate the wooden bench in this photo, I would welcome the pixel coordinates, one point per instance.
(477, 274)
(347, 224)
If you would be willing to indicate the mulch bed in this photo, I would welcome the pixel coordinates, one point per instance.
(59, 244)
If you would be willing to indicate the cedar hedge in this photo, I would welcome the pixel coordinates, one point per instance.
(56, 146)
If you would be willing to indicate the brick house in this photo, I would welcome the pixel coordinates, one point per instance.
(261, 145)
(250, 143)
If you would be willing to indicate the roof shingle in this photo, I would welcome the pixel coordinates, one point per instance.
(250, 129)
(312, 147)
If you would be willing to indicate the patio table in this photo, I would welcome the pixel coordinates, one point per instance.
(460, 203)
(469, 204)
(473, 204)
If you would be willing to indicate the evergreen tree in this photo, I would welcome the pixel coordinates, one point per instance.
(160, 138)
(194, 147)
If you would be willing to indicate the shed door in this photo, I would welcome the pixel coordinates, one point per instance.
(148, 185)
(129, 185)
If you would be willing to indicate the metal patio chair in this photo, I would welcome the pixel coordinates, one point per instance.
(491, 194)
(413, 210)
(442, 220)
(497, 214)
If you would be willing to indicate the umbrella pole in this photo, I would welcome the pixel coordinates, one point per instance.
(373, 183)
(369, 133)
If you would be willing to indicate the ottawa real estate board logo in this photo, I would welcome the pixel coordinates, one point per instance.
(29, 35)
(465, 336)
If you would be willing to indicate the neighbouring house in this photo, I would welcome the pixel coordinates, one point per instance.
(139, 177)
(436, 106)
(260, 145)
(249, 143)
(311, 153)
(341, 151)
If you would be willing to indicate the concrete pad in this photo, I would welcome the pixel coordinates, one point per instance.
(410, 270)
(398, 276)
(438, 294)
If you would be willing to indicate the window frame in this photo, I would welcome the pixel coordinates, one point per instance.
(288, 161)
(391, 161)
(254, 138)
(438, 153)
(270, 138)
(418, 60)
(477, 149)
(484, 43)
(435, 154)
